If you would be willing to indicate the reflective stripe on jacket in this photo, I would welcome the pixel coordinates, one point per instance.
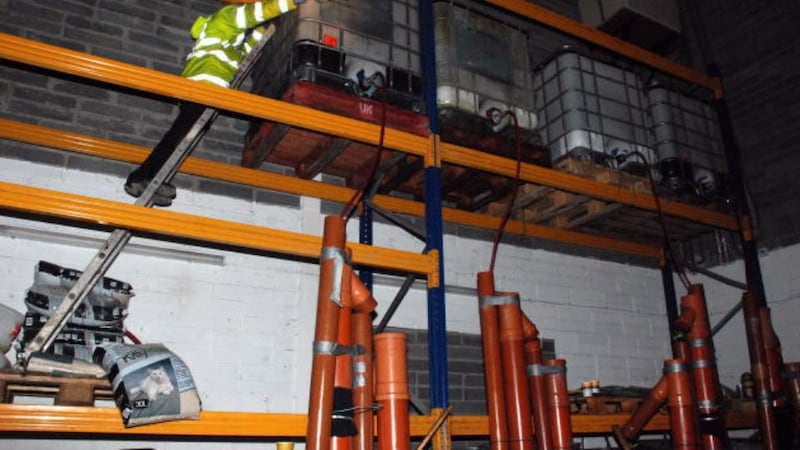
(220, 39)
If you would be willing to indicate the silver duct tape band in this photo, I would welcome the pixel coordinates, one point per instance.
(336, 349)
(674, 368)
(339, 416)
(764, 397)
(537, 370)
(700, 342)
(708, 404)
(359, 381)
(339, 258)
(497, 300)
(703, 363)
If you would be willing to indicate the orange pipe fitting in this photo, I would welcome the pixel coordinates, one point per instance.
(492, 365)
(772, 351)
(362, 299)
(791, 377)
(363, 381)
(758, 364)
(704, 371)
(628, 433)
(558, 403)
(538, 391)
(343, 379)
(391, 391)
(682, 412)
(517, 395)
(323, 368)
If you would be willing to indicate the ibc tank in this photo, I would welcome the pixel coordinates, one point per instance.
(331, 42)
(592, 110)
(482, 67)
(687, 140)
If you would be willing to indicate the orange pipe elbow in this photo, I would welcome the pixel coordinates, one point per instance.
(362, 299)
(492, 363)
(323, 368)
(391, 391)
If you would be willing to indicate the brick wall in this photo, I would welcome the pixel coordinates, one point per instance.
(755, 45)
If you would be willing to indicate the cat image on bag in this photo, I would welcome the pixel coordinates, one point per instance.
(154, 384)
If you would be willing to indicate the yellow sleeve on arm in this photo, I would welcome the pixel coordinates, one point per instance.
(252, 14)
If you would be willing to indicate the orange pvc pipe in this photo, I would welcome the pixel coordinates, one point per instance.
(758, 364)
(559, 404)
(323, 368)
(517, 395)
(391, 391)
(363, 381)
(704, 371)
(629, 432)
(772, 351)
(492, 366)
(792, 379)
(533, 356)
(682, 412)
(344, 364)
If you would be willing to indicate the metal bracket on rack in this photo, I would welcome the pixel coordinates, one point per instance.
(113, 246)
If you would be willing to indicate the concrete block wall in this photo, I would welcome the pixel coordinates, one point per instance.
(754, 44)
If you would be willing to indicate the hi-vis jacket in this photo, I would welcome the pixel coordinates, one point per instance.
(222, 40)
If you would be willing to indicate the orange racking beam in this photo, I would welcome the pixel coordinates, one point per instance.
(605, 40)
(94, 146)
(117, 73)
(180, 225)
(101, 420)
(467, 157)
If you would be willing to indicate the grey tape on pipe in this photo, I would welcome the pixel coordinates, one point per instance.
(536, 370)
(339, 258)
(708, 404)
(791, 375)
(702, 363)
(699, 342)
(329, 348)
(674, 367)
(497, 300)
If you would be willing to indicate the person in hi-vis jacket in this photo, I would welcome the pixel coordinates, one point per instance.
(222, 40)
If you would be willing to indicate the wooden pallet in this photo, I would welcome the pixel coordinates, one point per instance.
(65, 391)
(547, 206)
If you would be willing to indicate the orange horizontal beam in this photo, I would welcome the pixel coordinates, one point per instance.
(95, 420)
(94, 146)
(121, 74)
(462, 156)
(180, 225)
(609, 42)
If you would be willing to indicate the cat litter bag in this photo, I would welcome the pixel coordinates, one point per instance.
(150, 383)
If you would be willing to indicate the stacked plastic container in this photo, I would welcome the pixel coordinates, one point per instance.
(352, 45)
(687, 139)
(592, 110)
(482, 66)
(98, 320)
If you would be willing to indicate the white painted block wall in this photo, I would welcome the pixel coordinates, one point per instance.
(244, 323)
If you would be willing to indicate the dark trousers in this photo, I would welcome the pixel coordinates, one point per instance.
(187, 116)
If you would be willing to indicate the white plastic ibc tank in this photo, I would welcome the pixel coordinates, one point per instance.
(481, 63)
(687, 140)
(591, 110)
